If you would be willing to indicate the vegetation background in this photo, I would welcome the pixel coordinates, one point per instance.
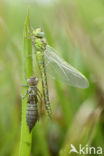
(76, 29)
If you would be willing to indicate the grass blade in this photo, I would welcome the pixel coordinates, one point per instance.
(26, 137)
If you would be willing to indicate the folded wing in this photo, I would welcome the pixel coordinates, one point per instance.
(62, 71)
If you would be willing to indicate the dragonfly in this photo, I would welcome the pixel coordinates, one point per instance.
(49, 62)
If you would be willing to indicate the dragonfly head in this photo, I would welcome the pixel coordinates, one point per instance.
(38, 33)
(32, 81)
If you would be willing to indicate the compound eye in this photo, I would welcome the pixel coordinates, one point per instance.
(40, 34)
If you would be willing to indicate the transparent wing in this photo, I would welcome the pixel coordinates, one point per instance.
(62, 71)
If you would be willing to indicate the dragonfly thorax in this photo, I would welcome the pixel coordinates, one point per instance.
(40, 44)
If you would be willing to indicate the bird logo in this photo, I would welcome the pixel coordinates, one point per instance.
(73, 149)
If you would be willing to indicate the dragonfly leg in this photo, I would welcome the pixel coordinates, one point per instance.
(25, 86)
(26, 91)
(25, 95)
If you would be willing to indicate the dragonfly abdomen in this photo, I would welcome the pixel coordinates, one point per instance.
(44, 83)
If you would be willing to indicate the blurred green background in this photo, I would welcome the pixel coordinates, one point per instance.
(76, 29)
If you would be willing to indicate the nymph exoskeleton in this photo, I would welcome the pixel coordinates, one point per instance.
(32, 114)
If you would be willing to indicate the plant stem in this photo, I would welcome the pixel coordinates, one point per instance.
(26, 137)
